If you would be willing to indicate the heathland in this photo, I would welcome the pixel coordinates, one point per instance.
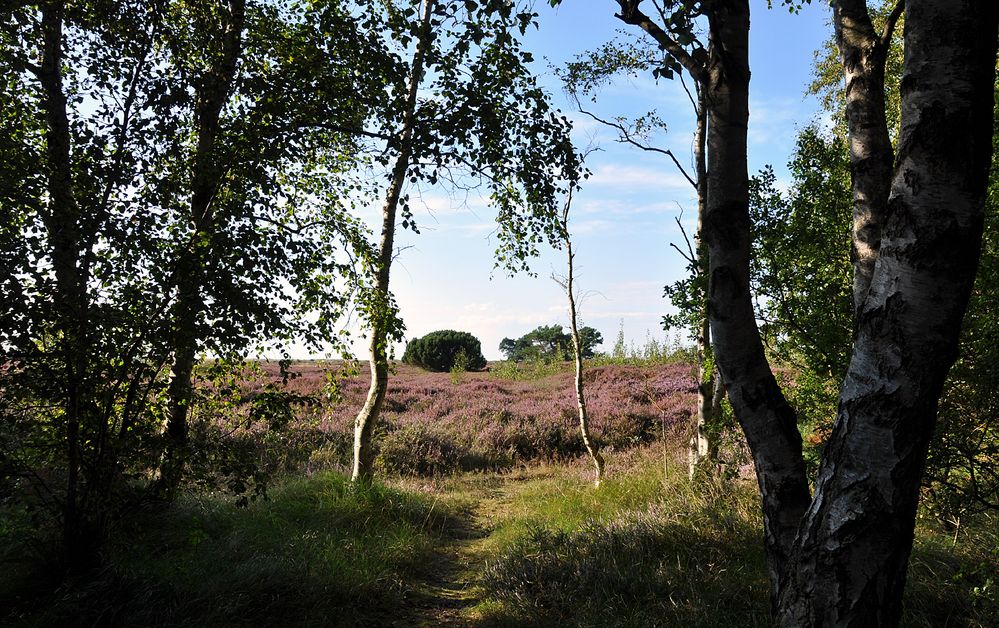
(483, 514)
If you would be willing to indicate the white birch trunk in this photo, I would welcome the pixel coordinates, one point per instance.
(584, 425)
(700, 445)
(366, 419)
(849, 564)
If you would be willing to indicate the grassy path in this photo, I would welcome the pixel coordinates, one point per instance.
(448, 593)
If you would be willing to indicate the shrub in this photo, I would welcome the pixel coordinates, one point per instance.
(441, 350)
(416, 450)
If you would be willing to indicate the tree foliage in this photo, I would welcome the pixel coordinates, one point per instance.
(442, 350)
(550, 342)
(98, 186)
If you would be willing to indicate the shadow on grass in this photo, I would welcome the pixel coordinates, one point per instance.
(643, 568)
(319, 552)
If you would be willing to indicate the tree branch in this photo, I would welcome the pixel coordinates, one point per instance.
(631, 14)
(626, 138)
(690, 256)
(890, 23)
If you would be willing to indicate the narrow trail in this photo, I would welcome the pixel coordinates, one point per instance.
(448, 593)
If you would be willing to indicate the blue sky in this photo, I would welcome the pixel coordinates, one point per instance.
(623, 219)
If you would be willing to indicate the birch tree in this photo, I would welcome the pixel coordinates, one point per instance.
(840, 558)
(465, 112)
(850, 559)
(568, 283)
(689, 295)
(265, 240)
(95, 201)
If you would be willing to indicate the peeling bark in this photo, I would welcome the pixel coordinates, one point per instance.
(849, 566)
(366, 419)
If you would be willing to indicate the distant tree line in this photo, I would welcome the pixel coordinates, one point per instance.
(550, 342)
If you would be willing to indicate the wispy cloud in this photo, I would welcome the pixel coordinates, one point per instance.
(636, 178)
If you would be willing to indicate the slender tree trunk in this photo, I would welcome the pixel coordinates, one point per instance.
(863, 53)
(577, 353)
(850, 564)
(62, 223)
(717, 396)
(700, 444)
(366, 419)
(206, 179)
(768, 421)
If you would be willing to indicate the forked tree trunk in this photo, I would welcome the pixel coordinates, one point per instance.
(863, 53)
(577, 353)
(206, 179)
(367, 418)
(768, 421)
(849, 566)
(915, 268)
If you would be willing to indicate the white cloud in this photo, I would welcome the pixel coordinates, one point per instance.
(638, 177)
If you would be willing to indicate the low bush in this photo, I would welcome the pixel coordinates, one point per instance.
(418, 450)
(441, 350)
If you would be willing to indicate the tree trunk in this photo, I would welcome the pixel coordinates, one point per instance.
(768, 421)
(206, 179)
(700, 443)
(577, 349)
(717, 396)
(62, 224)
(863, 53)
(366, 419)
(850, 564)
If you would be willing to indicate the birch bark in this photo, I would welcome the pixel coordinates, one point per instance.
(863, 53)
(701, 446)
(849, 565)
(577, 349)
(366, 419)
(766, 418)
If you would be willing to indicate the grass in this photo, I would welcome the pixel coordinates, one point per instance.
(531, 547)
(319, 552)
(642, 550)
(655, 549)
(524, 540)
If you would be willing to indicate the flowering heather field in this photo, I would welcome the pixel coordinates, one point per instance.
(436, 423)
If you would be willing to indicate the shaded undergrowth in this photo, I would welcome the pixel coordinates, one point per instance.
(318, 552)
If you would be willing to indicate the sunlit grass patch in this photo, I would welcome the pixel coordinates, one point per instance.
(643, 549)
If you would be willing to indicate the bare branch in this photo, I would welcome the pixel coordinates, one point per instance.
(627, 138)
(693, 103)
